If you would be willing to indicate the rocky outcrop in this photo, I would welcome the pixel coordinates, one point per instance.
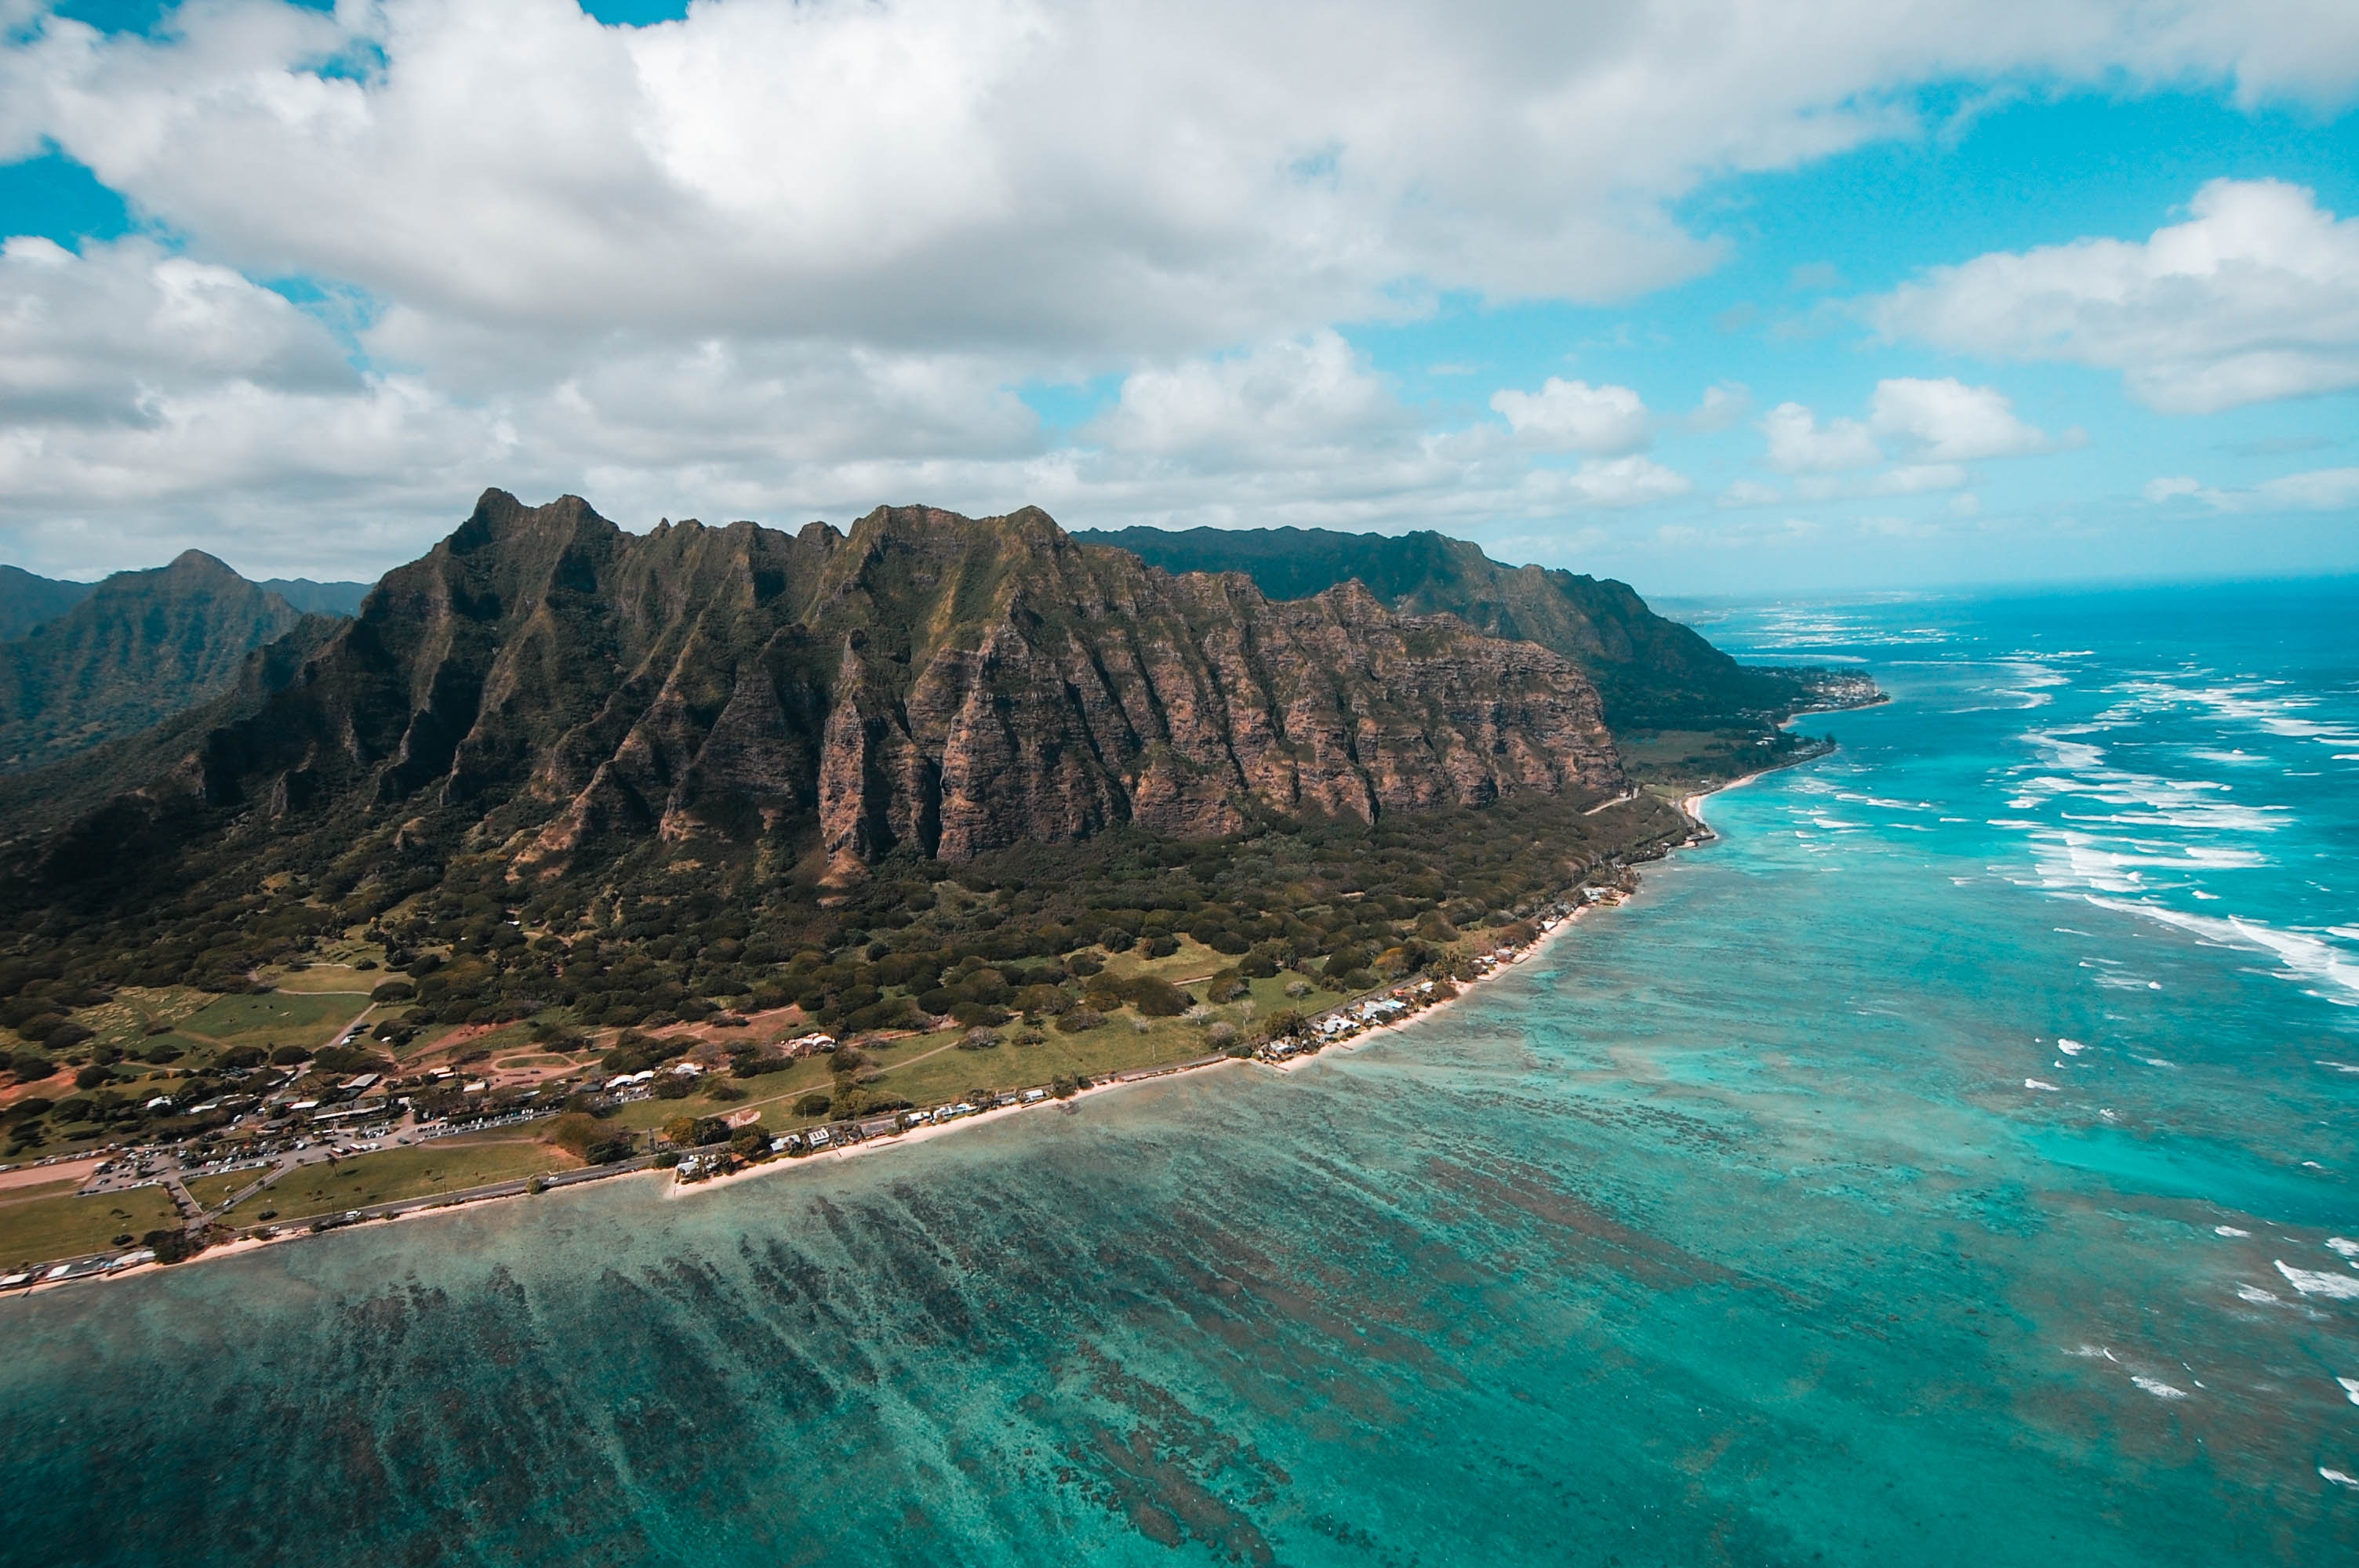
(951, 685)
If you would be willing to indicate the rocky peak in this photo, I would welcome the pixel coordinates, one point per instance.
(948, 684)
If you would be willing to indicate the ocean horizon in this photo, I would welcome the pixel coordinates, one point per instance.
(1948, 1163)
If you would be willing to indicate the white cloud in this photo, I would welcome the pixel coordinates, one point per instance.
(1283, 395)
(1623, 482)
(2256, 298)
(1800, 444)
(1575, 416)
(1938, 426)
(783, 258)
(2318, 490)
(1948, 422)
(1721, 407)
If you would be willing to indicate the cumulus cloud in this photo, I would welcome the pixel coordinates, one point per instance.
(1575, 416)
(1937, 427)
(2256, 298)
(1946, 421)
(1316, 392)
(1623, 482)
(2318, 490)
(1721, 407)
(791, 256)
(1800, 444)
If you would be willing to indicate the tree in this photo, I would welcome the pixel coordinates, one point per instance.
(171, 1246)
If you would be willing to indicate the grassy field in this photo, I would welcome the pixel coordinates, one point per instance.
(445, 1165)
(331, 979)
(931, 1069)
(39, 1223)
(277, 1018)
(212, 1192)
(1687, 757)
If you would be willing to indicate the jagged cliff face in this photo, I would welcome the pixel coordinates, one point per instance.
(951, 684)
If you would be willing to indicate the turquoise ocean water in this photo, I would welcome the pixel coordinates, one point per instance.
(1947, 1166)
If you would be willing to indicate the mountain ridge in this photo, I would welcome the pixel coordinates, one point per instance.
(546, 681)
(138, 649)
(1652, 672)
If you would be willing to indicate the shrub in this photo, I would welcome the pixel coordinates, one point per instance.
(288, 1055)
(171, 1246)
(674, 1086)
(726, 1092)
(1156, 998)
(165, 1051)
(243, 1056)
(1226, 986)
(28, 1108)
(978, 1040)
(1162, 945)
(65, 1037)
(29, 1066)
(1221, 1035)
(815, 1103)
(392, 990)
(1079, 1020)
(607, 1150)
(1115, 939)
(575, 1132)
(89, 1077)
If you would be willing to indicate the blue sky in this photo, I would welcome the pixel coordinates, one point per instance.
(1853, 296)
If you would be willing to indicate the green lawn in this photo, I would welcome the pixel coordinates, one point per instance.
(212, 1192)
(42, 1223)
(444, 1165)
(280, 1017)
(333, 980)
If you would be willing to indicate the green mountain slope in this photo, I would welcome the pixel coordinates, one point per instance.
(141, 647)
(1653, 673)
(27, 600)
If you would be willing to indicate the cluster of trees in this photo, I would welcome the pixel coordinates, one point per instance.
(641, 943)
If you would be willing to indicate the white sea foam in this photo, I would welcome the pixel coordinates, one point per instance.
(2338, 1477)
(2258, 1296)
(2069, 1047)
(2350, 1389)
(2302, 955)
(2343, 1245)
(2228, 1231)
(2339, 1287)
(2341, 1066)
(2039, 1084)
(2157, 1388)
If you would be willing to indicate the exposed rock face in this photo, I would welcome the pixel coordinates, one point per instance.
(930, 680)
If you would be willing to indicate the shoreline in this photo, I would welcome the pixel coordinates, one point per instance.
(1689, 807)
